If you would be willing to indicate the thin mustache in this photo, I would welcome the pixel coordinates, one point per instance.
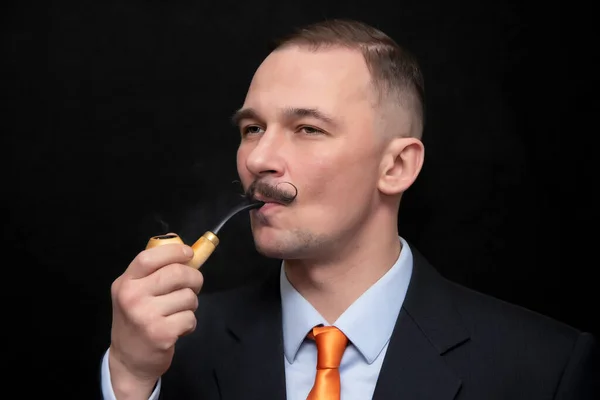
(272, 192)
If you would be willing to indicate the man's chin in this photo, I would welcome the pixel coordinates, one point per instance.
(282, 244)
(280, 249)
(269, 249)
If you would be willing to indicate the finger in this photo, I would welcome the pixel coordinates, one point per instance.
(174, 277)
(150, 260)
(177, 301)
(181, 323)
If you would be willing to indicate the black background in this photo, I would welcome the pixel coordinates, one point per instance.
(115, 129)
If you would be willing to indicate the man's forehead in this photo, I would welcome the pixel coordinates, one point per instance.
(299, 75)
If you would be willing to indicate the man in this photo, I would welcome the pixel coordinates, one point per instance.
(336, 111)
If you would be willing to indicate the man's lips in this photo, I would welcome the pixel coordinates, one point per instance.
(266, 200)
(268, 205)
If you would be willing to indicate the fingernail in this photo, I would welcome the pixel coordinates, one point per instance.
(188, 251)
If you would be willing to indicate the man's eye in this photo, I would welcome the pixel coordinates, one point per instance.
(252, 130)
(309, 130)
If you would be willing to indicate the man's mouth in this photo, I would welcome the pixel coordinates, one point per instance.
(266, 200)
(268, 206)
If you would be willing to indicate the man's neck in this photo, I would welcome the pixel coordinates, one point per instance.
(332, 285)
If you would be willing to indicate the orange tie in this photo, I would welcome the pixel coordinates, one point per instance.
(331, 343)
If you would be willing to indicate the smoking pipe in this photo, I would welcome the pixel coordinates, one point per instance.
(208, 242)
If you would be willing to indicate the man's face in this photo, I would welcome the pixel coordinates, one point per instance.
(308, 119)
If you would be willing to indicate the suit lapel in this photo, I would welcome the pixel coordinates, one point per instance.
(427, 328)
(253, 366)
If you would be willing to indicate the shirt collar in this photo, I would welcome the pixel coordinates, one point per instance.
(368, 322)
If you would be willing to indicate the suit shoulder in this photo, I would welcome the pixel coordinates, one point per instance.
(520, 344)
(492, 316)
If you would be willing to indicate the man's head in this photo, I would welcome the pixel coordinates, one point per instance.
(337, 110)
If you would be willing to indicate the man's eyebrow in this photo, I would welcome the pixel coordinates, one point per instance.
(244, 113)
(288, 113)
(294, 112)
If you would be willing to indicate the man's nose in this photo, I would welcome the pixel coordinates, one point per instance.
(266, 157)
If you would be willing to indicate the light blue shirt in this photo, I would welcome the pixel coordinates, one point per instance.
(368, 323)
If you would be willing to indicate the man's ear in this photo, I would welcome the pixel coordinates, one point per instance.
(400, 165)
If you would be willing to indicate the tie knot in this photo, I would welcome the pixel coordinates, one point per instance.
(331, 343)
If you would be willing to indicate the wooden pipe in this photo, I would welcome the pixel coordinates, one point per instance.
(203, 247)
(208, 242)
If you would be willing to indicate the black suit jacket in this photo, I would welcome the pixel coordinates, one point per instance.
(449, 342)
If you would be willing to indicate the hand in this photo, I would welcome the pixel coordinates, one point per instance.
(153, 305)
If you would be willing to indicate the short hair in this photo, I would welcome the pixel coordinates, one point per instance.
(395, 71)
